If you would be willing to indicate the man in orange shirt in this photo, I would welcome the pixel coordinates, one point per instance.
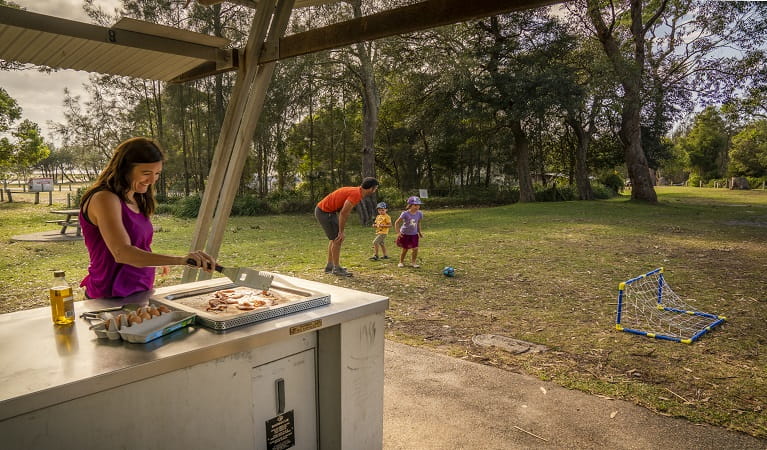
(332, 213)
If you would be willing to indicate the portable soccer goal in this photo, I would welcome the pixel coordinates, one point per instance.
(647, 306)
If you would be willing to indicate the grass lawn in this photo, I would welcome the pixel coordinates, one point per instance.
(547, 273)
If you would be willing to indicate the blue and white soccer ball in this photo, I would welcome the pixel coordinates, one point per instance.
(448, 271)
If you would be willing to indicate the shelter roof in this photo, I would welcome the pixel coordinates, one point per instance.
(130, 47)
(145, 50)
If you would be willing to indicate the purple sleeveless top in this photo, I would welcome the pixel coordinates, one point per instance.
(107, 278)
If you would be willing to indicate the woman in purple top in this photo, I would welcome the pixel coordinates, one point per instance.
(410, 230)
(115, 220)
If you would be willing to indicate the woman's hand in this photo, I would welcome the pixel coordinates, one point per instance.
(201, 260)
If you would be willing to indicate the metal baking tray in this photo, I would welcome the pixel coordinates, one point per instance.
(290, 300)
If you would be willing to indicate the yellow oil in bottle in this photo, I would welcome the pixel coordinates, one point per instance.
(62, 300)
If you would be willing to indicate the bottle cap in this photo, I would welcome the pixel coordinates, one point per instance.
(58, 273)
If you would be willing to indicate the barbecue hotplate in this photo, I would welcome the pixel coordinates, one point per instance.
(246, 305)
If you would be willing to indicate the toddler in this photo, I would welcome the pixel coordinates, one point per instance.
(382, 225)
(410, 230)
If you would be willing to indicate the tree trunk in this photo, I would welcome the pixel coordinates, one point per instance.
(370, 105)
(185, 142)
(629, 72)
(581, 152)
(521, 149)
(636, 161)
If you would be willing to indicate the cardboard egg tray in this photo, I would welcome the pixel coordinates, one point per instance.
(148, 330)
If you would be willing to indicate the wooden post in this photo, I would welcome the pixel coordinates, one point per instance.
(240, 121)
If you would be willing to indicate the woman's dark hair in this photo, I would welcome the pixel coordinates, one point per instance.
(114, 177)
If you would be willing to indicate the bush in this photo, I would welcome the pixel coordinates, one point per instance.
(613, 181)
(756, 182)
(717, 183)
(78, 196)
(474, 196)
(554, 193)
(392, 196)
(694, 180)
(249, 205)
(187, 207)
(601, 191)
(292, 201)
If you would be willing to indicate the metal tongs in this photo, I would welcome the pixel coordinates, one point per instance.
(95, 314)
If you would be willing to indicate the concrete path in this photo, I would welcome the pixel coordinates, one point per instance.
(432, 401)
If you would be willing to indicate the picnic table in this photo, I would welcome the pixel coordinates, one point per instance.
(70, 221)
(10, 193)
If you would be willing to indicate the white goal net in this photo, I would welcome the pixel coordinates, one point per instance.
(647, 306)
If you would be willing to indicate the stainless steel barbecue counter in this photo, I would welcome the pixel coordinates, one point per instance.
(308, 379)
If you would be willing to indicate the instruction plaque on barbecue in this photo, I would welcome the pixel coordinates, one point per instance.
(280, 432)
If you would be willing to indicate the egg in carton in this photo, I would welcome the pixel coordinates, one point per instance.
(111, 324)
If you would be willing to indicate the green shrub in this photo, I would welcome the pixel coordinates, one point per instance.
(392, 196)
(249, 205)
(716, 183)
(694, 180)
(756, 182)
(613, 181)
(289, 202)
(554, 193)
(78, 196)
(187, 207)
(601, 191)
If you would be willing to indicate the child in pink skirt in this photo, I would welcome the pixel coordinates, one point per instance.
(409, 224)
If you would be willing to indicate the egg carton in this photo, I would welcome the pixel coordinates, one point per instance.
(147, 330)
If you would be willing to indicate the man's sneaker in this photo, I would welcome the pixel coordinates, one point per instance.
(341, 272)
(400, 265)
(374, 258)
(384, 257)
(329, 268)
(415, 266)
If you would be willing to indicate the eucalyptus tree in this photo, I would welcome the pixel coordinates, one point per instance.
(706, 144)
(94, 125)
(366, 64)
(748, 155)
(621, 28)
(10, 112)
(28, 148)
(700, 52)
(520, 77)
(588, 114)
(428, 115)
(186, 120)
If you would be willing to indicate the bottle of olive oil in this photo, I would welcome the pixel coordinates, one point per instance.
(62, 300)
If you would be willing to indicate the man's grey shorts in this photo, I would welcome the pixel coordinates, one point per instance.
(328, 221)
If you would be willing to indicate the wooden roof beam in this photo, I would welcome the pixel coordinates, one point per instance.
(407, 19)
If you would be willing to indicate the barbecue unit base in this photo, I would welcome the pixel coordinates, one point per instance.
(311, 379)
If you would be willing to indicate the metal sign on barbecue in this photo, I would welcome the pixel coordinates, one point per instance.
(281, 432)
